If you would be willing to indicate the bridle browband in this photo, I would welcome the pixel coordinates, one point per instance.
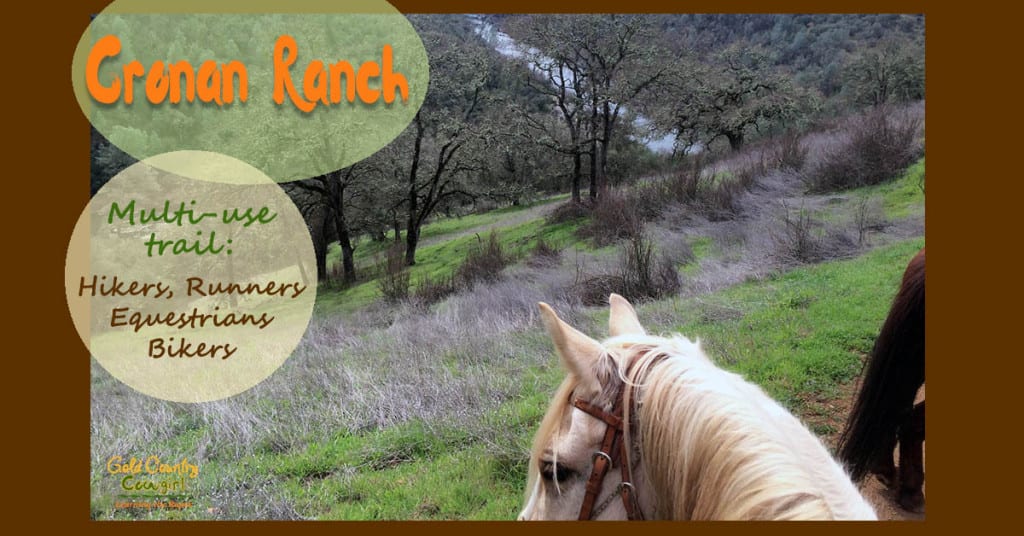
(611, 454)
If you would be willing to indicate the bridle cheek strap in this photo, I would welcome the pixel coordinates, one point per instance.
(610, 455)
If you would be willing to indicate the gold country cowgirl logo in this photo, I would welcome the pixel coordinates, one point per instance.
(152, 476)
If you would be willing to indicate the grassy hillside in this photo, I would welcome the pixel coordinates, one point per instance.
(799, 334)
(406, 413)
(438, 261)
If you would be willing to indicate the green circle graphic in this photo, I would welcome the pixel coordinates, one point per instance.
(359, 67)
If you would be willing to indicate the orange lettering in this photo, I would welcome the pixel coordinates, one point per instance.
(107, 47)
(157, 83)
(337, 69)
(366, 71)
(314, 83)
(285, 46)
(167, 80)
(177, 70)
(235, 69)
(208, 83)
(391, 79)
(131, 71)
(323, 84)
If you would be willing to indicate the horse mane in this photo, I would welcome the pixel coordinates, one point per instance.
(894, 373)
(713, 446)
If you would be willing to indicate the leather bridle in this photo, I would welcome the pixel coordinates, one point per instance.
(611, 454)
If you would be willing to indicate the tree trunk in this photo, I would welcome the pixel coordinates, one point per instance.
(335, 184)
(593, 171)
(412, 229)
(412, 238)
(593, 153)
(606, 139)
(347, 261)
(735, 140)
(577, 175)
(320, 250)
(577, 157)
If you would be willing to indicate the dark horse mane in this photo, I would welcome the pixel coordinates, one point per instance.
(895, 371)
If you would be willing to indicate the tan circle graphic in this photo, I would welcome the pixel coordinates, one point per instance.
(187, 289)
(297, 89)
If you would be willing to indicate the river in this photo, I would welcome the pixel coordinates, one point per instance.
(506, 46)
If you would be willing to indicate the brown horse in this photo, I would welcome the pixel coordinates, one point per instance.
(884, 412)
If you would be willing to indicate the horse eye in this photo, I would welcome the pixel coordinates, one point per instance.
(553, 471)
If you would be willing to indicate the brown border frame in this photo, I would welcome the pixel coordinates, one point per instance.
(969, 52)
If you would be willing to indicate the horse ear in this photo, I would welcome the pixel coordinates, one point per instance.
(579, 353)
(622, 320)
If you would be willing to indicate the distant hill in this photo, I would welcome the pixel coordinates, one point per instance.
(813, 47)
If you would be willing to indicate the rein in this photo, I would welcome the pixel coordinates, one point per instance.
(612, 454)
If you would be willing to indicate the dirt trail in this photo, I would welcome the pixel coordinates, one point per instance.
(884, 499)
(832, 413)
(538, 211)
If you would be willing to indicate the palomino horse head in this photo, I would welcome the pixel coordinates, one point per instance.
(647, 427)
(571, 439)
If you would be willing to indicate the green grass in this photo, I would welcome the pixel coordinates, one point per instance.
(412, 472)
(702, 247)
(455, 225)
(366, 250)
(802, 332)
(799, 333)
(440, 260)
(901, 197)
(465, 482)
(403, 472)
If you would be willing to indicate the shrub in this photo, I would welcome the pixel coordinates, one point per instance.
(643, 274)
(648, 199)
(685, 185)
(639, 276)
(394, 275)
(748, 174)
(612, 217)
(483, 262)
(868, 215)
(790, 154)
(544, 254)
(567, 212)
(677, 250)
(717, 195)
(721, 202)
(803, 238)
(797, 239)
(878, 146)
(429, 291)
